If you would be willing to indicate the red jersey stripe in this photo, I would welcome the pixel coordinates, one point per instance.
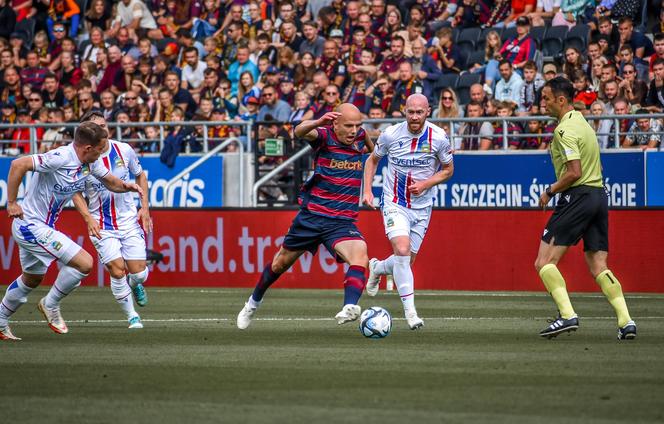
(318, 192)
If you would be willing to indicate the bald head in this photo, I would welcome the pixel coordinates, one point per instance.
(417, 109)
(347, 125)
(417, 100)
(348, 110)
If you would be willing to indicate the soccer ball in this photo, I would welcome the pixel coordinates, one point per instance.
(375, 323)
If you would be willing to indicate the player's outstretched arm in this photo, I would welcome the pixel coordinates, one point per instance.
(82, 207)
(370, 167)
(116, 185)
(17, 171)
(144, 212)
(307, 129)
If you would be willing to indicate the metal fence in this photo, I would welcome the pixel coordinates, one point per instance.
(611, 130)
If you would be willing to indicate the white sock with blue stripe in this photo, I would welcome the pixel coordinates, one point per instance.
(15, 296)
(403, 277)
(122, 293)
(68, 279)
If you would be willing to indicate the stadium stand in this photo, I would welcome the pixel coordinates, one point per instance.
(110, 51)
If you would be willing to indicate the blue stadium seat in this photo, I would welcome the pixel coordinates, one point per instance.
(537, 33)
(463, 87)
(552, 48)
(579, 31)
(559, 32)
(463, 96)
(465, 50)
(468, 79)
(446, 80)
(455, 34)
(574, 42)
(26, 28)
(476, 57)
(469, 36)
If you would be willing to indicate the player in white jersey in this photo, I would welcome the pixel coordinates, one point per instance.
(113, 224)
(58, 175)
(419, 157)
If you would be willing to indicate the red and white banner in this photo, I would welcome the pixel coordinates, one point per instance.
(463, 250)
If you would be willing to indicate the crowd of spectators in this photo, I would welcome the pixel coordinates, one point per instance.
(285, 61)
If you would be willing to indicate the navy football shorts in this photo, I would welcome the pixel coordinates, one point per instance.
(309, 230)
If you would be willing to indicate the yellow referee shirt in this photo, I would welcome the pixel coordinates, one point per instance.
(574, 139)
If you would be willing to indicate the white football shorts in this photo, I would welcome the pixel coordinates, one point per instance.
(126, 244)
(401, 221)
(39, 245)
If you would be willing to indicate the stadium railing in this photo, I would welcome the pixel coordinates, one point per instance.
(247, 131)
(243, 128)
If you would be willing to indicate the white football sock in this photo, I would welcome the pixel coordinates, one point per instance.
(68, 279)
(385, 267)
(403, 277)
(252, 303)
(15, 296)
(138, 278)
(122, 293)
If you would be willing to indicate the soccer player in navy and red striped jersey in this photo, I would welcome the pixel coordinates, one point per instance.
(329, 203)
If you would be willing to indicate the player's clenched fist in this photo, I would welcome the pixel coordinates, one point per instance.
(14, 210)
(328, 118)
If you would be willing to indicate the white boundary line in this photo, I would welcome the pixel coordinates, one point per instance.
(423, 293)
(285, 319)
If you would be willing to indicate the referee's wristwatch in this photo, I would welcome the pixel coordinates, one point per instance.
(549, 192)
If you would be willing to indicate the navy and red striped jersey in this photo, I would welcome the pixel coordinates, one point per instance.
(334, 188)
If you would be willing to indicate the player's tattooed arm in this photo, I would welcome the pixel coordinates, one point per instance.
(307, 129)
(144, 212)
(17, 171)
(116, 185)
(82, 207)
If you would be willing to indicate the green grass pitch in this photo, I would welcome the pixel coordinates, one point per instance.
(477, 360)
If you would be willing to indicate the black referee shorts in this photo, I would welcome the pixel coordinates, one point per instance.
(581, 212)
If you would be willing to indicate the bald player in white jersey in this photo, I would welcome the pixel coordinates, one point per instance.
(113, 224)
(419, 157)
(58, 175)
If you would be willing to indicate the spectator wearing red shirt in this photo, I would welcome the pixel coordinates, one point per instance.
(390, 66)
(33, 73)
(520, 8)
(583, 92)
(21, 136)
(659, 53)
(69, 74)
(520, 49)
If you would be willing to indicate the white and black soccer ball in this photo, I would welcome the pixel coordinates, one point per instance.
(375, 323)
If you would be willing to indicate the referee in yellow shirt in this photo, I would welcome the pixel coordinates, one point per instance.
(582, 212)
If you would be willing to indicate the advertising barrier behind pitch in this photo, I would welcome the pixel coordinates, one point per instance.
(489, 181)
(463, 250)
(201, 188)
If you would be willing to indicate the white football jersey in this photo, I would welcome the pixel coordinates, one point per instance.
(58, 175)
(114, 211)
(412, 158)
